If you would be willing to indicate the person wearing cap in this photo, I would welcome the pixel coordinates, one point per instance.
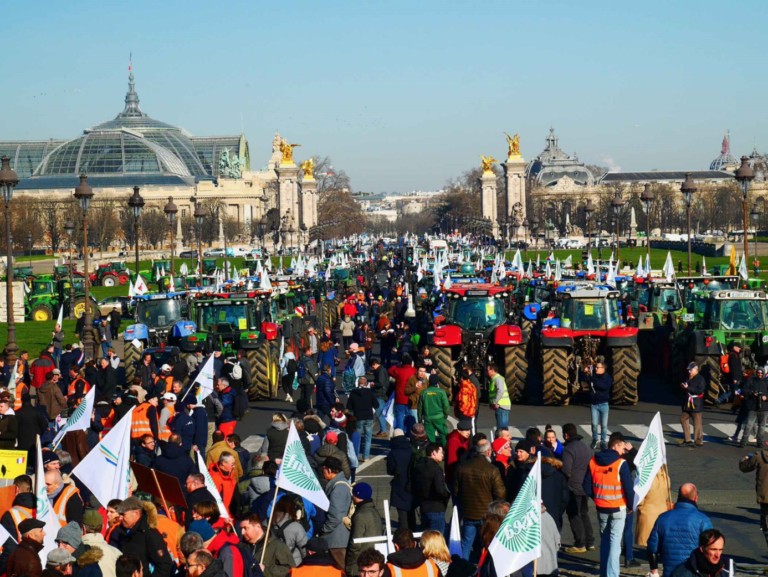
(70, 539)
(93, 523)
(365, 522)
(58, 563)
(64, 498)
(755, 395)
(317, 563)
(49, 395)
(433, 411)
(8, 423)
(166, 415)
(25, 560)
(693, 406)
(429, 488)
(136, 537)
(330, 449)
(144, 419)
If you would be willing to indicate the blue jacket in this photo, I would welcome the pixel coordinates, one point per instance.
(328, 359)
(326, 392)
(227, 398)
(676, 533)
(604, 458)
(600, 388)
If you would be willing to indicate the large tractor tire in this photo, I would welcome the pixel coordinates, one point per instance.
(131, 357)
(709, 368)
(265, 372)
(515, 372)
(41, 312)
(443, 363)
(109, 280)
(554, 376)
(626, 371)
(78, 308)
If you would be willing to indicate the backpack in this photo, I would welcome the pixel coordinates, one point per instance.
(291, 367)
(347, 520)
(301, 370)
(348, 378)
(250, 565)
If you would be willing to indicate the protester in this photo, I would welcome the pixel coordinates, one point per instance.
(365, 522)
(25, 560)
(693, 407)
(707, 559)
(275, 558)
(339, 493)
(429, 488)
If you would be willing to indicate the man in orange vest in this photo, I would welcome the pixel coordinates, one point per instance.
(65, 499)
(609, 482)
(319, 563)
(408, 560)
(78, 386)
(24, 506)
(144, 420)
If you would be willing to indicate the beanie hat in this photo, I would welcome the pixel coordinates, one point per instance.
(363, 491)
(71, 534)
(525, 445)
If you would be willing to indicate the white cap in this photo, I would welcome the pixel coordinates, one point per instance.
(165, 368)
(169, 397)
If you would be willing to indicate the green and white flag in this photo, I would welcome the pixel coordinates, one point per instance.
(651, 455)
(295, 474)
(44, 510)
(518, 540)
(80, 419)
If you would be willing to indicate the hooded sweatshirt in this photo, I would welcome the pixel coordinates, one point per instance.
(603, 459)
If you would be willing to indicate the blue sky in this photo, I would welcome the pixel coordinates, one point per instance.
(402, 95)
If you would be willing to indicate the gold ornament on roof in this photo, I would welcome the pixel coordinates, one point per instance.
(308, 168)
(513, 144)
(487, 163)
(286, 150)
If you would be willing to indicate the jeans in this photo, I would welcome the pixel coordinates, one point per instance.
(611, 533)
(400, 412)
(502, 418)
(578, 515)
(104, 348)
(434, 521)
(383, 425)
(470, 535)
(600, 415)
(411, 419)
(752, 418)
(365, 427)
(57, 357)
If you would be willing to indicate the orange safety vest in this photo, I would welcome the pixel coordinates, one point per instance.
(606, 485)
(168, 382)
(170, 531)
(428, 569)
(140, 421)
(72, 389)
(315, 571)
(165, 434)
(19, 514)
(21, 390)
(107, 423)
(60, 506)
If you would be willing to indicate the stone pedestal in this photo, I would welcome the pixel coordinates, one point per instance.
(288, 188)
(514, 181)
(488, 200)
(308, 187)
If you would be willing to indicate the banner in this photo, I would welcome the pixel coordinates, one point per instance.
(44, 509)
(518, 540)
(12, 464)
(80, 419)
(296, 475)
(211, 486)
(650, 457)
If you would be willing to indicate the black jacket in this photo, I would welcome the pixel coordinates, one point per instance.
(693, 398)
(754, 391)
(428, 486)
(174, 461)
(106, 383)
(398, 465)
(9, 428)
(381, 382)
(362, 403)
(407, 558)
(576, 458)
(148, 545)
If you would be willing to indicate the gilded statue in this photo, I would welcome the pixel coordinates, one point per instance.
(308, 167)
(513, 144)
(487, 163)
(287, 151)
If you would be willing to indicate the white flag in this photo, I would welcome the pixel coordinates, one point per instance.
(106, 470)
(131, 290)
(204, 378)
(13, 378)
(743, 272)
(703, 265)
(211, 486)
(590, 264)
(140, 287)
(80, 419)
(5, 535)
(669, 268)
(454, 543)
(184, 269)
(44, 509)
(296, 475)
(651, 455)
(518, 540)
(60, 320)
(389, 411)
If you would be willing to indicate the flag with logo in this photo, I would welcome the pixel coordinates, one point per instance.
(44, 509)
(106, 469)
(650, 457)
(296, 475)
(518, 540)
(211, 486)
(140, 287)
(204, 379)
(80, 419)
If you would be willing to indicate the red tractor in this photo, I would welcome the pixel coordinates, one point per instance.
(111, 274)
(473, 330)
(587, 326)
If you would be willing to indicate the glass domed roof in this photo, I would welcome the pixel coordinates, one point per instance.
(553, 164)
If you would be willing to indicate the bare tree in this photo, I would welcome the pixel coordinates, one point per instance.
(154, 227)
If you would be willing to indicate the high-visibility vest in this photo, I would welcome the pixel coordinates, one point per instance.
(72, 389)
(21, 390)
(165, 434)
(19, 514)
(428, 569)
(168, 382)
(107, 423)
(140, 421)
(498, 381)
(316, 571)
(60, 506)
(606, 485)
(171, 531)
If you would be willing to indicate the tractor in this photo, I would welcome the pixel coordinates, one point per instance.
(718, 319)
(657, 306)
(111, 274)
(589, 325)
(62, 271)
(24, 273)
(475, 328)
(47, 295)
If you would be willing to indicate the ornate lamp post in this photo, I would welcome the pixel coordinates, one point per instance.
(136, 202)
(589, 208)
(755, 214)
(617, 203)
(69, 229)
(29, 247)
(688, 188)
(84, 195)
(8, 181)
(170, 211)
(201, 213)
(744, 175)
(647, 198)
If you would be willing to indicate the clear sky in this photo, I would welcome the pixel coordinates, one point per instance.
(402, 95)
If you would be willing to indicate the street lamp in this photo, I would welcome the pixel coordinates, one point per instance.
(589, 208)
(29, 247)
(617, 203)
(84, 195)
(170, 211)
(647, 197)
(136, 202)
(8, 181)
(744, 175)
(262, 226)
(201, 213)
(755, 214)
(69, 229)
(688, 188)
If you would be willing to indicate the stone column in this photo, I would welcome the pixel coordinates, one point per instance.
(488, 199)
(179, 237)
(288, 189)
(514, 181)
(308, 201)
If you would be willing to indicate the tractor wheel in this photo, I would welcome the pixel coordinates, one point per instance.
(555, 376)
(78, 309)
(515, 372)
(709, 368)
(264, 372)
(41, 312)
(109, 280)
(123, 279)
(131, 356)
(626, 371)
(526, 325)
(445, 369)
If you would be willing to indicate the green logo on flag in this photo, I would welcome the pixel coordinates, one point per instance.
(297, 470)
(520, 530)
(647, 459)
(78, 412)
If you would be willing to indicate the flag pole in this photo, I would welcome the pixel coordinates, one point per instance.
(162, 496)
(269, 524)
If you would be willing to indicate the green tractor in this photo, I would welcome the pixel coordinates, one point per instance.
(209, 266)
(62, 271)
(47, 295)
(717, 319)
(229, 322)
(289, 308)
(111, 274)
(24, 273)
